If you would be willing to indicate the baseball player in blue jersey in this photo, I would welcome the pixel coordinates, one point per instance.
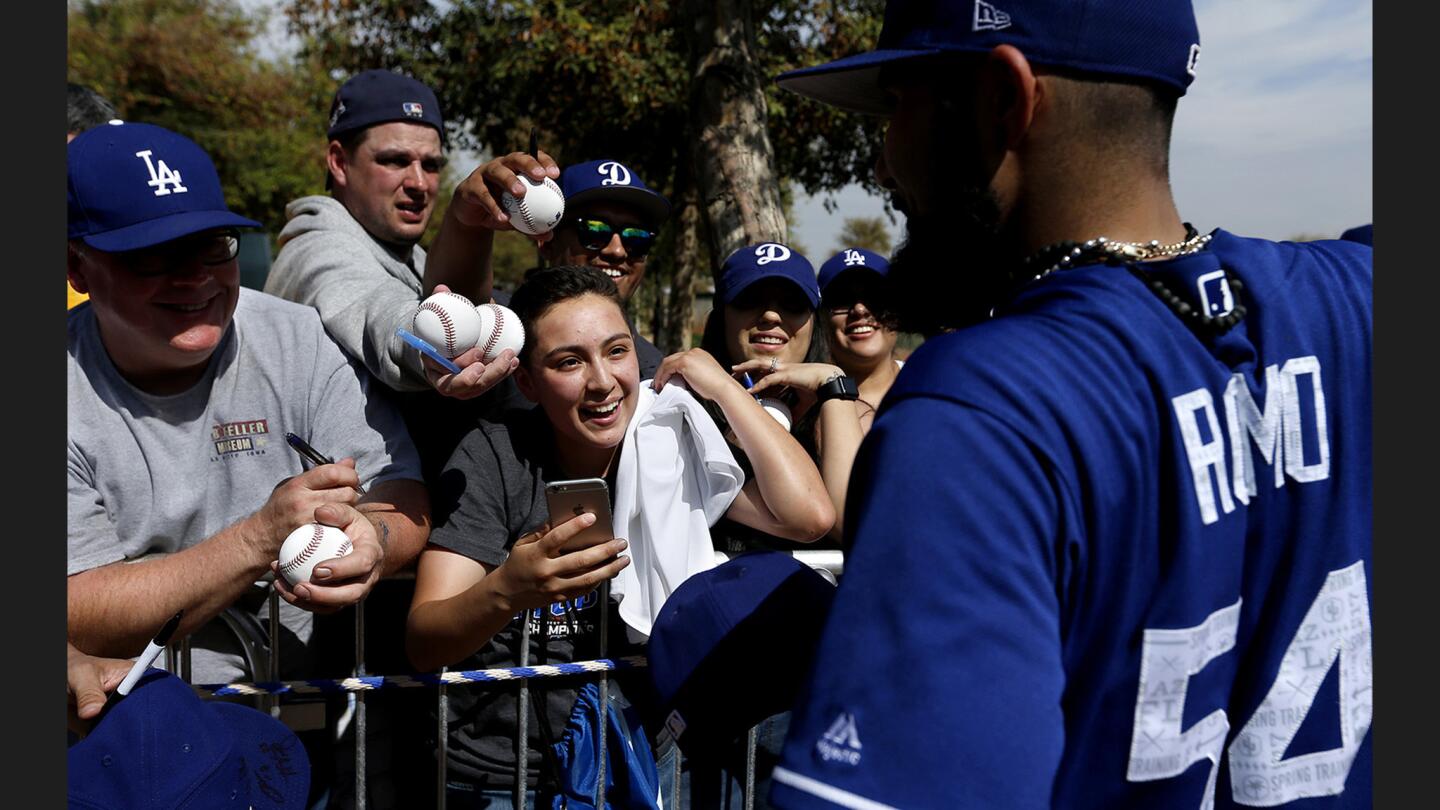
(1111, 529)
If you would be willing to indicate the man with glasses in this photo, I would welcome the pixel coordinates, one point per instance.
(610, 224)
(181, 388)
(611, 219)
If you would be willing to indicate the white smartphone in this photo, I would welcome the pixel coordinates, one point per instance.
(568, 499)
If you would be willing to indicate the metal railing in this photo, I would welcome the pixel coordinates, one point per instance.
(268, 693)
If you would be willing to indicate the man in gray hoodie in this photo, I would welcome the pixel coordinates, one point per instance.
(354, 255)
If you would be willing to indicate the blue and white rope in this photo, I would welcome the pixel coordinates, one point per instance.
(367, 683)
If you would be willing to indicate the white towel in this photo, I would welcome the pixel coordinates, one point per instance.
(676, 477)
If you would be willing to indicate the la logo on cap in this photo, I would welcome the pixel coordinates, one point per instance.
(616, 175)
(162, 179)
(854, 257)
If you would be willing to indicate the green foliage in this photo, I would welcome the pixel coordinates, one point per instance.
(600, 77)
(865, 232)
(191, 66)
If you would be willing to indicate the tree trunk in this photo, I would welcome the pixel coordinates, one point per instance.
(690, 255)
(734, 166)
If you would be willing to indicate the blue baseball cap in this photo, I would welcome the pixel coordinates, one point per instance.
(1364, 234)
(163, 748)
(133, 186)
(612, 181)
(732, 645)
(1155, 40)
(851, 259)
(753, 263)
(379, 97)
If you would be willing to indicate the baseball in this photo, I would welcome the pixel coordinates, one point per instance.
(449, 322)
(777, 409)
(500, 329)
(539, 210)
(308, 545)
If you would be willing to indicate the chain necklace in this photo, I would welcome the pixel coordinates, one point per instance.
(1062, 255)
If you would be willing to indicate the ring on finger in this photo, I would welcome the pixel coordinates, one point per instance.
(774, 363)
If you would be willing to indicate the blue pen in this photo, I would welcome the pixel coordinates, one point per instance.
(749, 383)
(428, 350)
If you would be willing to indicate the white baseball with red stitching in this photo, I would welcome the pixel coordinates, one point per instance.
(449, 322)
(308, 546)
(539, 211)
(500, 329)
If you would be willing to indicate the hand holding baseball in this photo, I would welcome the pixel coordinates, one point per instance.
(476, 202)
(477, 375)
(341, 581)
(539, 572)
(295, 500)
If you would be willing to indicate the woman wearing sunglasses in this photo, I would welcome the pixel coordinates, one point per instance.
(496, 551)
(611, 223)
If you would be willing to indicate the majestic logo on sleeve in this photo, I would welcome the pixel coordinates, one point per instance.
(615, 174)
(989, 18)
(840, 742)
(162, 178)
(771, 252)
(247, 437)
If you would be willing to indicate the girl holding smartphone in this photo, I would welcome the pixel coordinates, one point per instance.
(496, 552)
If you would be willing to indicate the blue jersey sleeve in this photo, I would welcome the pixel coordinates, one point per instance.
(948, 609)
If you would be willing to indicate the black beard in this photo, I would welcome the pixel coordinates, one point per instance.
(950, 272)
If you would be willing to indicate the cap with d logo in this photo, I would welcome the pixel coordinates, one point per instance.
(753, 263)
(612, 181)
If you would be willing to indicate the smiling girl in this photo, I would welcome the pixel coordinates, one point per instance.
(494, 554)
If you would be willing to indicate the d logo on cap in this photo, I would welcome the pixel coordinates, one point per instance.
(618, 175)
(771, 252)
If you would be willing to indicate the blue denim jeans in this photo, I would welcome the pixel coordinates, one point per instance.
(466, 796)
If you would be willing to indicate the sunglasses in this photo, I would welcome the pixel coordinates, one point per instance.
(212, 248)
(596, 234)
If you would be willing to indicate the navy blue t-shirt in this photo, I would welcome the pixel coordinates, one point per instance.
(1104, 560)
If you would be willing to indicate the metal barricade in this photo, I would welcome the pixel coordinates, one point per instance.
(829, 563)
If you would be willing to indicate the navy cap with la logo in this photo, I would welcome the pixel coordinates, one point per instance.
(851, 258)
(133, 186)
(379, 97)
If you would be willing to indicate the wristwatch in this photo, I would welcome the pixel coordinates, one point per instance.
(838, 387)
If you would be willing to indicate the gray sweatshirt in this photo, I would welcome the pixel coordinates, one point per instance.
(363, 288)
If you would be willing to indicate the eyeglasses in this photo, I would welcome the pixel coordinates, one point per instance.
(595, 234)
(210, 248)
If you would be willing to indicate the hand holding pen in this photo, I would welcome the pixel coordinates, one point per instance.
(315, 457)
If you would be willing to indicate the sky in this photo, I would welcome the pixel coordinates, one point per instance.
(1274, 138)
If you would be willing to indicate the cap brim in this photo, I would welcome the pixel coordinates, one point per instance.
(653, 207)
(859, 268)
(158, 231)
(810, 295)
(269, 748)
(852, 83)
